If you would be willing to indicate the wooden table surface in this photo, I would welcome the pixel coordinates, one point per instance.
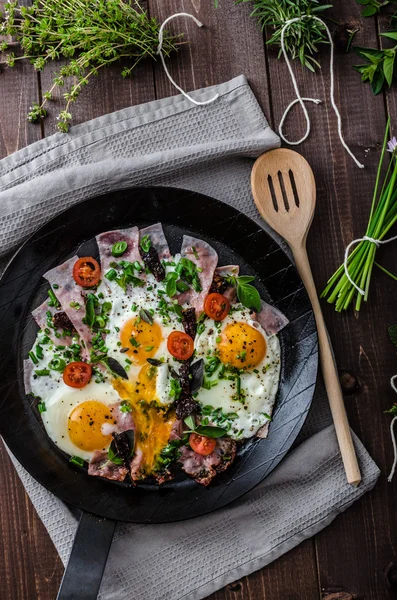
(356, 556)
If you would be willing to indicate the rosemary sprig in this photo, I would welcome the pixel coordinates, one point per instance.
(90, 34)
(383, 215)
(301, 38)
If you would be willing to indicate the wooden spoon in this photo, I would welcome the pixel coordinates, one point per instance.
(285, 194)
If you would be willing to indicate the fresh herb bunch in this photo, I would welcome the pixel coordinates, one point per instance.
(383, 215)
(372, 7)
(381, 66)
(302, 37)
(89, 34)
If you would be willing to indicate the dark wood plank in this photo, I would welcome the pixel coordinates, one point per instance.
(229, 44)
(354, 551)
(30, 567)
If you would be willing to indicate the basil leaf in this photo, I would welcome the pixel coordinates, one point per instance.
(190, 422)
(210, 431)
(245, 279)
(146, 316)
(249, 296)
(170, 287)
(112, 455)
(114, 367)
(197, 373)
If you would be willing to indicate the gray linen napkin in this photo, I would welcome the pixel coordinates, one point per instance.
(210, 150)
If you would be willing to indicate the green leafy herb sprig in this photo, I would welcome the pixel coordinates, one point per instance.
(383, 215)
(247, 294)
(211, 431)
(372, 7)
(301, 38)
(381, 67)
(89, 34)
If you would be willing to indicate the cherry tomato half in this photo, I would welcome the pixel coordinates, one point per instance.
(86, 271)
(180, 345)
(216, 306)
(201, 444)
(77, 374)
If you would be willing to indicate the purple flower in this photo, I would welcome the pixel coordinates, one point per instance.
(392, 145)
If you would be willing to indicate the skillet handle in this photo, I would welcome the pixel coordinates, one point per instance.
(87, 561)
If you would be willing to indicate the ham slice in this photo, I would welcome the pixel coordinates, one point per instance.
(204, 468)
(69, 292)
(100, 466)
(40, 315)
(158, 239)
(207, 260)
(271, 319)
(106, 241)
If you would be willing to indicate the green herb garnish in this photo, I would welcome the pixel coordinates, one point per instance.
(57, 364)
(146, 243)
(247, 294)
(134, 342)
(42, 372)
(125, 406)
(76, 460)
(111, 275)
(211, 431)
(41, 407)
(119, 248)
(53, 299)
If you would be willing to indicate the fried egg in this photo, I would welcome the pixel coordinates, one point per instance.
(241, 373)
(131, 340)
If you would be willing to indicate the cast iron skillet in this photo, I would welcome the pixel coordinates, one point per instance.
(238, 240)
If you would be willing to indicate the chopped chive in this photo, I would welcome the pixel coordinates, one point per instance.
(111, 275)
(39, 352)
(134, 342)
(195, 253)
(181, 286)
(117, 329)
(42, 372)
(55, 286)
(41, 407)
(60, 347)
(137, 266)
(33, 358)
(100, 295)
(53, 300)
(128, 361)
(134, 307)
(218, 339)
(77, 460)
(119, 248)
(149, 348)
(149, 288)
(75, 305)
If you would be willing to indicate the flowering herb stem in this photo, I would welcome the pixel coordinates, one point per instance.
(383, 215)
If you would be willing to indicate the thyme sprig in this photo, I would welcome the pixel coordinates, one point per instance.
(302, 37)
(90, 34)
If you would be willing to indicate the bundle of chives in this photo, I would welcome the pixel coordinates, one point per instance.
(340, 290)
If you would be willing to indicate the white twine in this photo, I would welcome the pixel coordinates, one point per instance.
(393, 437)
(302, 100)
(160, 53)
(357, 241)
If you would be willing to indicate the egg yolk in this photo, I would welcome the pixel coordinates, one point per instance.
(85, 425)
(142, 339)
(146, 384)
(241, 346)
(153, 425)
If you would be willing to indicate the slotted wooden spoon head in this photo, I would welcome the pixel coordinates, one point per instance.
(284, 191)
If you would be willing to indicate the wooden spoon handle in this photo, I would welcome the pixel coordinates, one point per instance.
(330, 373)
